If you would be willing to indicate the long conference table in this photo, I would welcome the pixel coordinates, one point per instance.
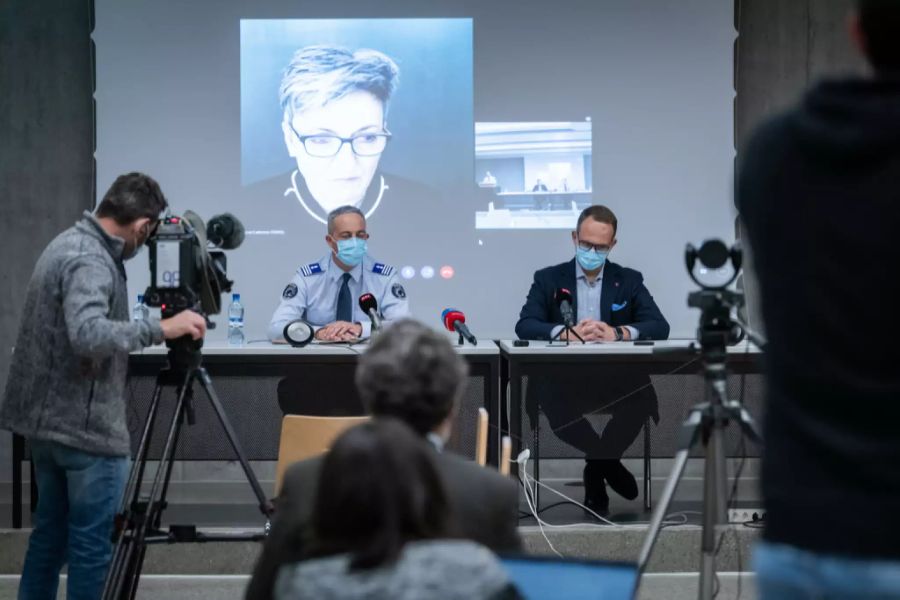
(260, 382)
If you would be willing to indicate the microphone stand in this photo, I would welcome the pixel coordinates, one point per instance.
(376, 320)
(462, 338)
(567, 328)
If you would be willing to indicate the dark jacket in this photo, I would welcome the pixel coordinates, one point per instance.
(819, 192)
(67, 377)
(622, 287)
(484, 503)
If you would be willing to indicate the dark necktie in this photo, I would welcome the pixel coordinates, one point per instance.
(344, 307)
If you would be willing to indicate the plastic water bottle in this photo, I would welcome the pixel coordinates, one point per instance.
(236, 321)
(141, 311)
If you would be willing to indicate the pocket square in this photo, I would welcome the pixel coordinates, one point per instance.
(618, 307)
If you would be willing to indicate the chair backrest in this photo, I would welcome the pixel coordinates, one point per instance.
(303, 437)
(481, 437)
(537, 578)
(505, 454)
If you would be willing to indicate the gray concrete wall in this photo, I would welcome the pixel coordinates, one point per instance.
(46, 145)
(783, 46)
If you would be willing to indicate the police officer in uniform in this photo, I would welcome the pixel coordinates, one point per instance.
(326, 293)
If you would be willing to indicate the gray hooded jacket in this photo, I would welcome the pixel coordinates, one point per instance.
(67, 378)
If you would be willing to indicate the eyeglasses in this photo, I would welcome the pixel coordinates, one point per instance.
(323, 145)
(594, 247)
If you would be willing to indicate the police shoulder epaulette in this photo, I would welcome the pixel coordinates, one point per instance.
(310, 269)
(382, 269)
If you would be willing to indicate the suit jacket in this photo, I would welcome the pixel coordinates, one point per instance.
(484, 502)
(623, 289)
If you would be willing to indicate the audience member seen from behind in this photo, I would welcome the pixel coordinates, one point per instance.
(380, 527)
(818, 191)
(410, 373)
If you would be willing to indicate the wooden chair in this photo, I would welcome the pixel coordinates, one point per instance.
(505, 454)
(481, 437)
(303, 437)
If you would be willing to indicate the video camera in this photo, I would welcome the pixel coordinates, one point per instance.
(184, 273)
(716, 302)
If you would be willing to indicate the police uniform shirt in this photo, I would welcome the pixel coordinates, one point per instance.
(312, 295)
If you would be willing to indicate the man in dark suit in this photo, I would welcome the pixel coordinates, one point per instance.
(611, 304)
(413, 374)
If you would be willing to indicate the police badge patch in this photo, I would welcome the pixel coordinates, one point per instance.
(398, 291)
(289, 291)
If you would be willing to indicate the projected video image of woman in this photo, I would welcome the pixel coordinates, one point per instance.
(335, 104)
(372, 113)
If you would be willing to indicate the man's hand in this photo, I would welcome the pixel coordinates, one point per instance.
(187, 322)
(606, 333)
(586, 328)
(339, 331)
(592, 331)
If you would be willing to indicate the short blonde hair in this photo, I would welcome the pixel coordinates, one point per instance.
(320, 74)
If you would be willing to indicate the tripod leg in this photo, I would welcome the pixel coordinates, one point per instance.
(662, 508)
(128, 574)
(123, 549)
(688, 436)
(747, 424)
(170, 463)
(156, 501)
(133, 488)
(714, 506)
(265, 506)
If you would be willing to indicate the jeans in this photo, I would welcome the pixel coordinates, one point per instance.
(78, 497)
(787, 573)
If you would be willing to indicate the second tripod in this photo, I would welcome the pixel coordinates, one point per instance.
(140, 520)
(706, 423)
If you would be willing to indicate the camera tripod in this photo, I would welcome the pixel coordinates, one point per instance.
(139, 520)
(705, 426)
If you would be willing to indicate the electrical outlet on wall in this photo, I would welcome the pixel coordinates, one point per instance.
(746, 515)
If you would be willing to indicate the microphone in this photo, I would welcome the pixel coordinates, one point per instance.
(454, 320)
(564, 299)
(225, 231)
(369, 305)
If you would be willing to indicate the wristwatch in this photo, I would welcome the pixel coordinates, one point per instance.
(620, 335)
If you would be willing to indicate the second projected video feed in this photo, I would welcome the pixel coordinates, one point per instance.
(533, 175)
(372, 113)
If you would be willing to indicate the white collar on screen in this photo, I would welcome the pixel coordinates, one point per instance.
(381, 189)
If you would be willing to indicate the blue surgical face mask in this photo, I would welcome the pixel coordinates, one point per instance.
(351, 252)
(590, 260)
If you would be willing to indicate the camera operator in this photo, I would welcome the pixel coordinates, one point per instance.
(818, 191)
(65, 391)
